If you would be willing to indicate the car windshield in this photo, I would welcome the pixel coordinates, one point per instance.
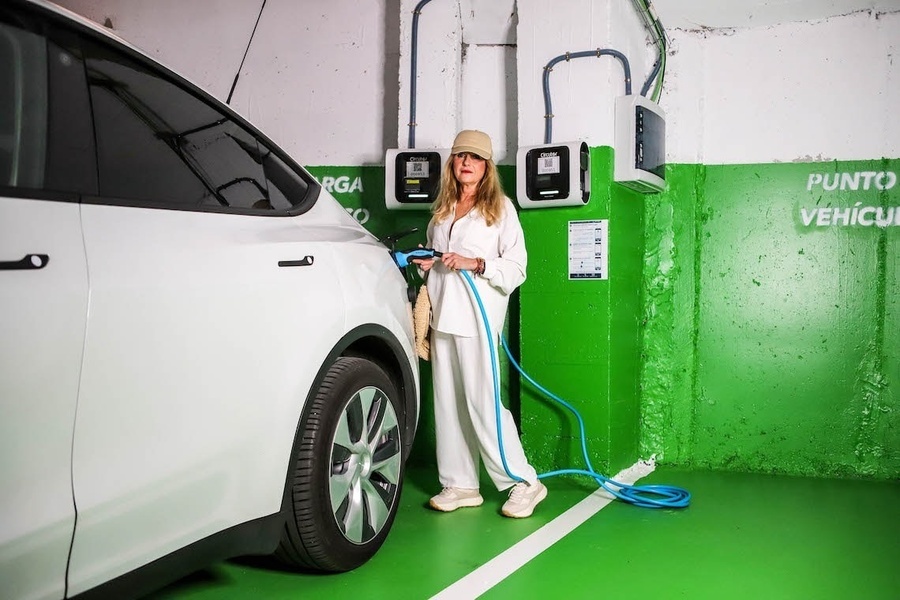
(206, 157)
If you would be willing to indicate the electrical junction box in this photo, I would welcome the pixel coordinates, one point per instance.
(412, 178)
(640, 153)
(553, 175)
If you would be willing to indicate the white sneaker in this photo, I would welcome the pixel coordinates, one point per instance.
(523, 498)
(452, 498)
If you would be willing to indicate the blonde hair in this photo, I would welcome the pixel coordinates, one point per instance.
(489, 196)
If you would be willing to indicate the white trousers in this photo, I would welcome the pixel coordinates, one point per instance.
(466, 418)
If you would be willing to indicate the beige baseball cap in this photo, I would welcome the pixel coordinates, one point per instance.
(474, 141)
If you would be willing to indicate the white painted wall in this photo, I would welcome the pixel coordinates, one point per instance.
(583, 90)
(699, 14)
(465, 73)
(439, 72)
(329, 79)
(315, 79)
(821, 90)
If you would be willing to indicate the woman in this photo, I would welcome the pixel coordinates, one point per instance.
(476, 228)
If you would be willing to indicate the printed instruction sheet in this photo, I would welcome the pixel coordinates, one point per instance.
(589, 249)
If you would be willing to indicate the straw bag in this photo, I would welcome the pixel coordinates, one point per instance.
(422, 323)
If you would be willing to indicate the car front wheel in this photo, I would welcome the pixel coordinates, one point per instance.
(347, 470)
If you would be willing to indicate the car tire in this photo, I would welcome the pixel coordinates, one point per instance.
(347, 472)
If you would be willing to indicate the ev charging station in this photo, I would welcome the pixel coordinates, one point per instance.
(553, 175)
(640, 138)
(412, 177)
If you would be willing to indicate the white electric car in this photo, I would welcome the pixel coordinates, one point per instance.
(202, 355)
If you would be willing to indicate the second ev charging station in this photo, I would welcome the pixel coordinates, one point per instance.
(553, 175)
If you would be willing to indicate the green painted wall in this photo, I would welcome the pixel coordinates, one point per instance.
(772, 319)
(751, 320)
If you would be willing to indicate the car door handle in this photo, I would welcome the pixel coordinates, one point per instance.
(303, 262)
(31, 261)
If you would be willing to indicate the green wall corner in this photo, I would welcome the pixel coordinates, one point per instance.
(771, 304)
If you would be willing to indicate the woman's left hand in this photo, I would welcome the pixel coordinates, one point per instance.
(456, 262)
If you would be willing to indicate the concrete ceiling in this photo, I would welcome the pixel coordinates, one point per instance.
(703, 14)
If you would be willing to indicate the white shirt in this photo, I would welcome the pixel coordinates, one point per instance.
(502, 246)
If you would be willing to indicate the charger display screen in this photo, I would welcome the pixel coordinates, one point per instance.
(650, 146)
(417, 177)
(547, 173)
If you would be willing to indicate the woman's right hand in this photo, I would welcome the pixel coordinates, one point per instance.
(424, 263)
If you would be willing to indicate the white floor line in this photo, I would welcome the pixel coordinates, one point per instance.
(500, 567)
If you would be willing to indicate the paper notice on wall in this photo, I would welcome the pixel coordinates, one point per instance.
(589, 249)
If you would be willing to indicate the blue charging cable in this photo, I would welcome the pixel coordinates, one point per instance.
(644, 496)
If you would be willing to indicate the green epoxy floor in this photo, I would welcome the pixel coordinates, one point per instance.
(744, 536)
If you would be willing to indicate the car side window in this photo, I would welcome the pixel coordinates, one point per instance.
(160, 145)
(23, 108)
